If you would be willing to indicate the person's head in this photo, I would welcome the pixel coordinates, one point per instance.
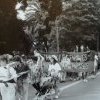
(17, 59)
(29, 62)
(9, 58)
(36, 53)
(66, 56)
(3, 61)
(24, 58)
(53, 59)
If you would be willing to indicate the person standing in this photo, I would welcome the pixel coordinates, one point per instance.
(23, 81)
(39, 57)
(54, 71)
(82, 48)
(77, 48)
(63, 65)
(87, 48)
(8, 79)
(40, 60)
(66, 64)
(35, 75)
(95, 63)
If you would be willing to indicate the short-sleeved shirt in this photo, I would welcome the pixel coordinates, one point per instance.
(7, 73)
(54, 69)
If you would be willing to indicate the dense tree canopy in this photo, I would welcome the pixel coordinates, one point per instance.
(77, 22)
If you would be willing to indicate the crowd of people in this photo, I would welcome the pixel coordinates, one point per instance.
(81, 48)
(18, 71)
(86, 61)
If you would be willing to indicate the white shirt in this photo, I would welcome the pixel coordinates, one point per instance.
(66, 62)
(7, 73)
(96, 57)
(82, 47)
(4, 73)
(95, 61)
(54, 68)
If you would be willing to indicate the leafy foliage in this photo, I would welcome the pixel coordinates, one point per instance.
(76, 22)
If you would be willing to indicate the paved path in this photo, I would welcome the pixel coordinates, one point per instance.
(82, 91)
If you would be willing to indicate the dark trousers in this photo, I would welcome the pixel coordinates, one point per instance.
(41, 90)
(84, 75)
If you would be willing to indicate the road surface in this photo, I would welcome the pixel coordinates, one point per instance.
(82, 90)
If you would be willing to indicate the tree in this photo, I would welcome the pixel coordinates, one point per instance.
(37, 15)
(78, 23)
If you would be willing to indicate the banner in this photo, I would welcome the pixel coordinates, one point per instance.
(81, 62)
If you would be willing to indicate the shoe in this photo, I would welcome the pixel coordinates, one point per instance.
(52, 91)
(56, 97)
(36, 93)
(85, 80)
(94, 76)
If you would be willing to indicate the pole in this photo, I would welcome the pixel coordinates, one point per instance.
(57, 36)
(98, 42)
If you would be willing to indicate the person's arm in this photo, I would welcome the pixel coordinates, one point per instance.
(58, 67)
(13, 73)
(96, 58)
(40, 58)
(49, 70)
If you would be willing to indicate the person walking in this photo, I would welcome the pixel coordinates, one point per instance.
(8, 79)
(39, 62)
(35, 76)
(22, 69)
(54, 71)
(36, 68)
(39, 57)
(82, 48)
(95, 64)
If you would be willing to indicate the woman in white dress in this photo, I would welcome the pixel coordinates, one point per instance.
(8, 78)
(54, 71)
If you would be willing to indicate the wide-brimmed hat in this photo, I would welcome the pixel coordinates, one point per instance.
(54, 57)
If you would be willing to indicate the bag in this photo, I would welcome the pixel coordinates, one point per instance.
(45, 81)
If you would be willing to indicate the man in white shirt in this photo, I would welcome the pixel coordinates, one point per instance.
(8, 78)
